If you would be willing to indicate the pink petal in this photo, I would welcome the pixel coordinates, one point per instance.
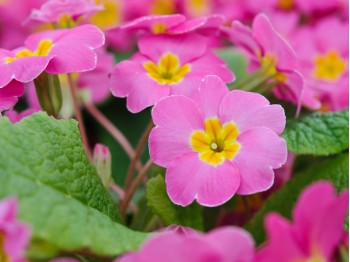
(261, 151)
(209, 95)
(279, 248)
(188, 178)
(147, 22)
(272, 43)
(225, 237)
(185, 47)
(9, 95)
(69, 58)
(249, 110)
(170, 138)
(319, 216)
(84, 36)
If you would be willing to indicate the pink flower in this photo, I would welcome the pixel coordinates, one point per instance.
(220, 245)
(59, 11)
(165, 65)
(55, 52)
(217, 143)
(324, 62)
(172, 24)
(14, 235)
(15, 116)
(266, 48)
(316, 231)
(9, 95)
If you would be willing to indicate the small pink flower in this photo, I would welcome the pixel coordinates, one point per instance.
(172, 24)
(55, 52)
(316, 231)
(324, 62)
(57, 11)
(9, 95)
(266, 48)
(14, 235)
(217, 143)
(220, 245)
(165, 65)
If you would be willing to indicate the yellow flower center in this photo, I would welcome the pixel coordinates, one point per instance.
(329, 66)
(163, 7)
(3, 256)
(270, 61)
(159, 28)
(108, 17)
(168, 71)
(198, 7)
(285, 4)
(43, 49)
(66, 21)
(217, 142)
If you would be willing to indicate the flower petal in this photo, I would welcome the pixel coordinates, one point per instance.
(188, 178)
(172, 138)
(261, 151)
(249, 110)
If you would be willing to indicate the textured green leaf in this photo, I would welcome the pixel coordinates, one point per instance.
(43, 163)
(160, 203)
(282, 201)
(318, 134)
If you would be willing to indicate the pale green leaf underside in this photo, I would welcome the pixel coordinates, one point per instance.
(282, 201)
(43, 163)
(318, 134)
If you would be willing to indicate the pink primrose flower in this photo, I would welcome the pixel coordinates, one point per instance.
(226, 244)
(316, 231)
(55, 52)
(9, 95)
(265, 47)
(324, 62)
(62, 11)
(15, 116)
(217, 143)
(14, 235)
(165, 65)
(173, 24)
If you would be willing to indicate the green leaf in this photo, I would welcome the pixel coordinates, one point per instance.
(160, 203)
(43, 164)
(282, 201)
(318, 134)
(236, 61)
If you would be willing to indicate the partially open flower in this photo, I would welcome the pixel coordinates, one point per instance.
(9, 95)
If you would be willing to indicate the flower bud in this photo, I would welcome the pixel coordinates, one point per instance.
(103, 162)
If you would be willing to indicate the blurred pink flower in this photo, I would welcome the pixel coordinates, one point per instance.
(55, 51)
(213, 246)
(15, 116)
(14, 235)
(9, 95)
(324, 62)
(266, 48)
(217, 143)
(172, 24)
(59, 11)
(316, 231)
(165, 65)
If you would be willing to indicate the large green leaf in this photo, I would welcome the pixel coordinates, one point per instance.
(282, 201)
(160, 203)
(43, 164)
(318, 134)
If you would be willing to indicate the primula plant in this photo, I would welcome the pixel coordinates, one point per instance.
(180, 131)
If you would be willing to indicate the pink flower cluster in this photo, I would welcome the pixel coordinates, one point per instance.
(314, 235)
